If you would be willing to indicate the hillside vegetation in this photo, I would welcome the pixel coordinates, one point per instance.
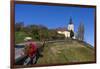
(55, 52)
(67, 51)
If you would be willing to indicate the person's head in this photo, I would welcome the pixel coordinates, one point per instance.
(27, 39)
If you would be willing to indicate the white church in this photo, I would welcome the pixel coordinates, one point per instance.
(66, 32)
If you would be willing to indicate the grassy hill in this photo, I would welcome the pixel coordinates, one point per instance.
(66, 51)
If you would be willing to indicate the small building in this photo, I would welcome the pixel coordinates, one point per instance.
(66, 31)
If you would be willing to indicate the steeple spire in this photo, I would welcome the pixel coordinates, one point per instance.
(70, 21)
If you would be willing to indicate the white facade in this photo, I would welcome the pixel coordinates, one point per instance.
(71, 27)
(67, 33)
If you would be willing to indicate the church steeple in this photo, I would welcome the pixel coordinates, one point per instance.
(70, 21)
(71, 25)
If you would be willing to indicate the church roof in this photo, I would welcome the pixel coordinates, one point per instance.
(61, 29)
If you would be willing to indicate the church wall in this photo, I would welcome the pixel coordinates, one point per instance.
(71, 27)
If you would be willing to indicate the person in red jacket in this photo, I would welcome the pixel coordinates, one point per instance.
(33, 50)
(30, 51)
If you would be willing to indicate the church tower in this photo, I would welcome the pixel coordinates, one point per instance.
(71, 25)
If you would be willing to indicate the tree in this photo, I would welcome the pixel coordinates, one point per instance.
(71, 34)
(19, 26)
(43, 34)
(80, 32)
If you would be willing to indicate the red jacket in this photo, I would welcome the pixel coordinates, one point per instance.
(32, 50)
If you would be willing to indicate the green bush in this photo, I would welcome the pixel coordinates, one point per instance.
(19, 37)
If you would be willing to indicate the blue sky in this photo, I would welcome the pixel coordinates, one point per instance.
(57, 16)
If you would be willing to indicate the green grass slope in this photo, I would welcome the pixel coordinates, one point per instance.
(67, 51)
